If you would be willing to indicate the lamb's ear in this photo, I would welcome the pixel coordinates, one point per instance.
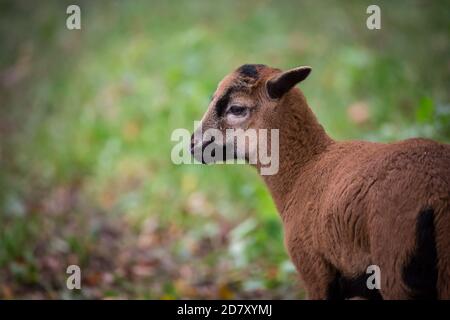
(282, 83)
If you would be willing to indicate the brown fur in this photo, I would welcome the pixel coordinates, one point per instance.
(347, 205)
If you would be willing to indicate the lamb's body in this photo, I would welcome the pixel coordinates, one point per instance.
(357, 204)
(345, 205)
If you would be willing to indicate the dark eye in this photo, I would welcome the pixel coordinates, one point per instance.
(237, 110)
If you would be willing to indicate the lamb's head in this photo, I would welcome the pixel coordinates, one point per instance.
(245, 102)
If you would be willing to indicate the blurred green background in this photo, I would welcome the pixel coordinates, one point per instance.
(86, 118)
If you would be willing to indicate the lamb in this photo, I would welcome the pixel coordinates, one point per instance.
(344, 205)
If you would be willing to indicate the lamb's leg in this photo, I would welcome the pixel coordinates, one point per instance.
(321, 280)
(409, 265)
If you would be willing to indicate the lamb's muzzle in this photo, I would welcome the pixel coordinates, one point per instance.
(346, 205)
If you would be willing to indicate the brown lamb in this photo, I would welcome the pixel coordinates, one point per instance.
(344, 205)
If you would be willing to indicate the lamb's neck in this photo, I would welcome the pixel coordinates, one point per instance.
(301, 139)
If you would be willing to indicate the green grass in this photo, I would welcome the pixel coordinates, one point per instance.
(86, 176)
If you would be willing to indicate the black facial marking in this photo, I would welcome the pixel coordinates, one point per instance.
(250, 70)
(342, 287)
(420, 273)
(223, 101)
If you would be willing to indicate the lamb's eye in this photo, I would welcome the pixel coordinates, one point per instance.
(238, 111)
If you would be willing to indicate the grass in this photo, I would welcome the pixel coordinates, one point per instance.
(86, 176)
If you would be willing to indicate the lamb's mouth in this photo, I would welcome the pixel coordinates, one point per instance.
(199, 153)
